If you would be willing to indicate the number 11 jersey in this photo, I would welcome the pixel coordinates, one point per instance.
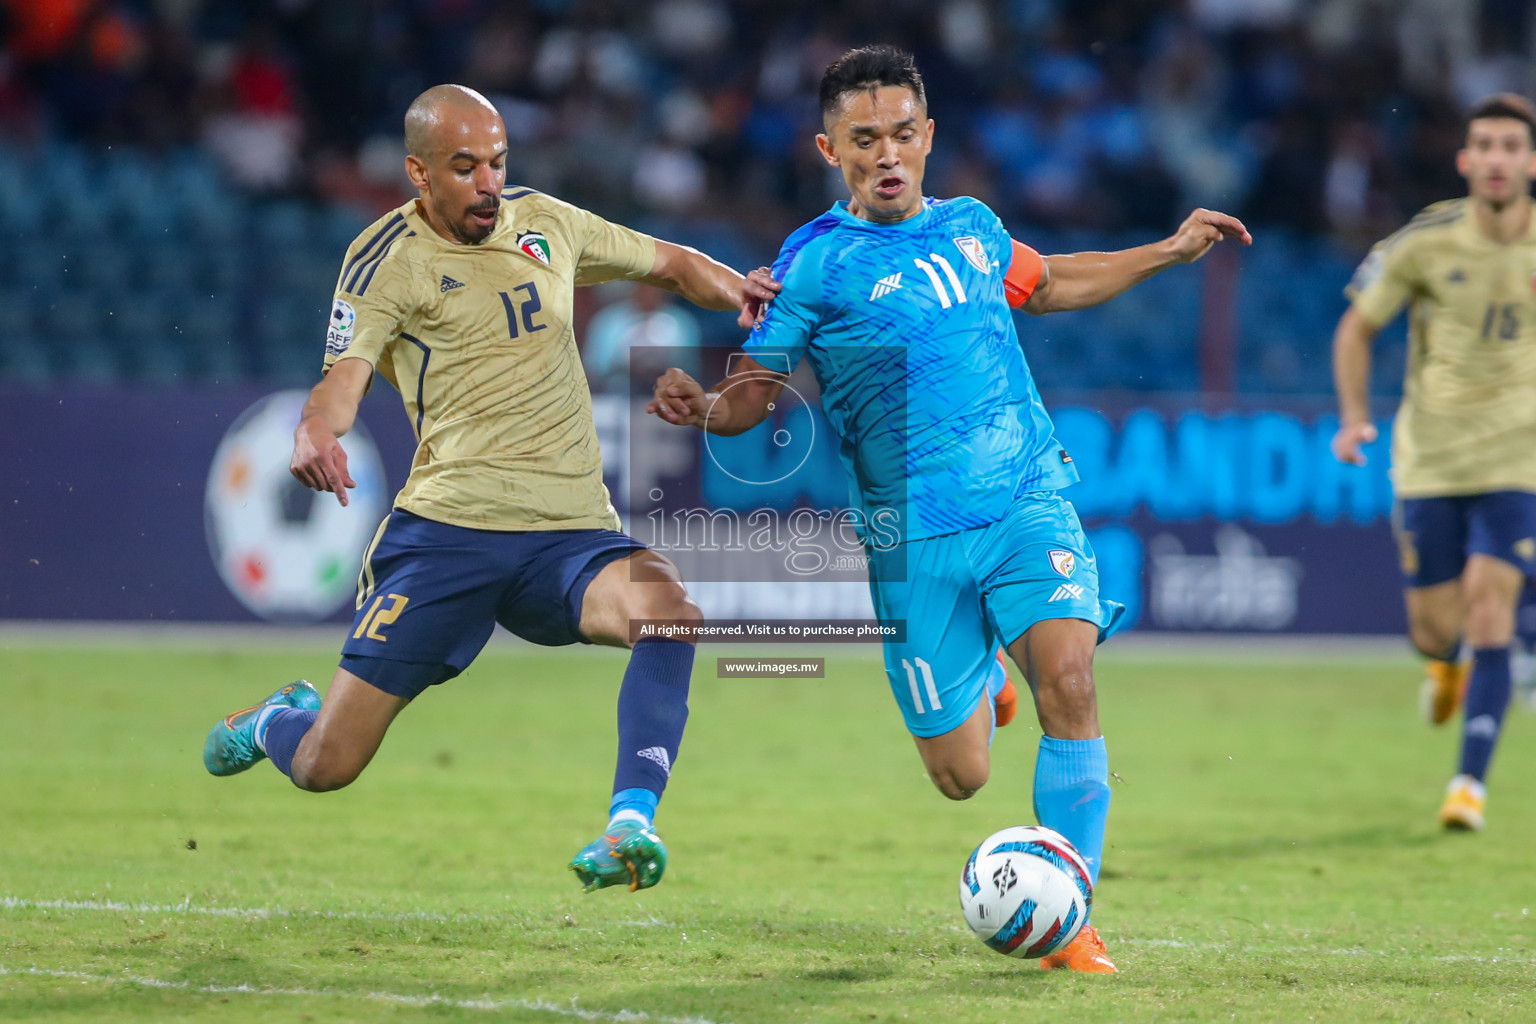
(908, 330)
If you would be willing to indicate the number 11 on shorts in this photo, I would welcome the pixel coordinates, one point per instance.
(933, 691)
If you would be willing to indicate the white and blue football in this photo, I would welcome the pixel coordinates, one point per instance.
(1026, 891)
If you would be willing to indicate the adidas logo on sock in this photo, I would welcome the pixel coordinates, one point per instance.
(659, 755)
(449, 284)
(1483, 726)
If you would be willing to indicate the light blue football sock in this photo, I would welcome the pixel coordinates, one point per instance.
(1072, 793)
(633, 805)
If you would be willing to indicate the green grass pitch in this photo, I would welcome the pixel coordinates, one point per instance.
(1272, 853)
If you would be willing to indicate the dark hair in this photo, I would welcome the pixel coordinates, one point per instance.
(1505, 104)
(867, 69)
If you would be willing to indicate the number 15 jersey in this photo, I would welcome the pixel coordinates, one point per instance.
(1467, 424)
(477, 339)
(909, 333)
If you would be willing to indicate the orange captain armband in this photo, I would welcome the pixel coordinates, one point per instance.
(1023, 274)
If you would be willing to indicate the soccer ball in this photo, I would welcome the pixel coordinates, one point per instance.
(1026, 891)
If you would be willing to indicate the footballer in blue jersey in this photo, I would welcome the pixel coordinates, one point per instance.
(900, 303)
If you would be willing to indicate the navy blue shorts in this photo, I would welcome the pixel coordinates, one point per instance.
(430, 594)
(1436, 535)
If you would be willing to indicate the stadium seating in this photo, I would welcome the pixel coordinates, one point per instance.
(164, 272)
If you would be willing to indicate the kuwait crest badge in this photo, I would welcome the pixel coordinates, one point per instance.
(1063, 562)
(535, 245)
(974, 254)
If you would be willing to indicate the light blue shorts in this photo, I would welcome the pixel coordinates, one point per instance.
(964, 594)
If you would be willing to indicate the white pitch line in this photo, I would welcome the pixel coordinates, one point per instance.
(1220, 947)
(15, 903)
(259, 913)
(538, 1005)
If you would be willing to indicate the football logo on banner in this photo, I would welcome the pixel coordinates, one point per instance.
(1063, 562)
(288, 553)
(535, 245)
(974, 254)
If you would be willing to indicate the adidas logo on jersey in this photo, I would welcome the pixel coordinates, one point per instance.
(659, 755)
(885, 286)
(1067, 592)
(449, 284)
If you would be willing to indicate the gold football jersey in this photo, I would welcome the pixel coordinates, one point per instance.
(1467, 423)
(477, 339)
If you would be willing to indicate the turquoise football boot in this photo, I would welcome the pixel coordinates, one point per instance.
(231, 745)
(629, 853)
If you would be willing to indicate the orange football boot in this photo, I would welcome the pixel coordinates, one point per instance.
(1007, 700)
(1085, 953)
(1465, 799)
(1445, 686)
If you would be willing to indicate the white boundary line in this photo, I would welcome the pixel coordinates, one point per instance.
(265, 913)
(537, 1005)
(15, 903)
(262, 913)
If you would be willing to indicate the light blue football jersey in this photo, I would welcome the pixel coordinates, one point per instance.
(912, 343)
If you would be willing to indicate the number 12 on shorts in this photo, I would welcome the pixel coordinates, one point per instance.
(378, 616)
(933, 691)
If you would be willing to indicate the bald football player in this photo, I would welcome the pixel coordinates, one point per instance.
(462, 300)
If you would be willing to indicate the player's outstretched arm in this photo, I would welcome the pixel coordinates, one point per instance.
(735, 405)
(709, 283)
(1083, 279)
(1352, 381)
(319, 461)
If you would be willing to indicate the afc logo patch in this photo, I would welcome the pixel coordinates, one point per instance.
(1064, 562)
(340, 328)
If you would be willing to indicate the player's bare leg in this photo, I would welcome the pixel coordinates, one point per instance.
(1491, 591)
(959, 761)
(644, 586)
(1071, 771)
(345, 735)
(653, 708)
(1435, 620)
(1056, 657)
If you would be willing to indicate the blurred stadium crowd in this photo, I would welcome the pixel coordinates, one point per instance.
(183, 175)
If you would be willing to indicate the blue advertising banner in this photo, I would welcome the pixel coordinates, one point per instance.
(166, 504)
(152, 504)
(1234, 516)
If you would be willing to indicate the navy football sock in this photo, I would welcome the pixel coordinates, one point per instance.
(285, 729)
(653, 708)
(1487, 700)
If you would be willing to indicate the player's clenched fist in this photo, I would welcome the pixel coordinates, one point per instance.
(1203, 229)
(678, 398)
(1348, 441)
(319, 460)
(757, 290)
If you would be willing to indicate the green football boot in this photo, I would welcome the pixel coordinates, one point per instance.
(231, 745)
(629, 853)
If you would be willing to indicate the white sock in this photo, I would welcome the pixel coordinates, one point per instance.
(262, 717)
(630, 815)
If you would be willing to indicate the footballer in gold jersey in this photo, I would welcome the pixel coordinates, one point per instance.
(1464, 440)
(462, 300)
